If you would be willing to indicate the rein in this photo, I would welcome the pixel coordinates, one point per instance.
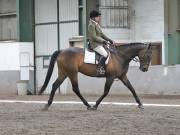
(110, 47)
(134, 59)
(143, 55)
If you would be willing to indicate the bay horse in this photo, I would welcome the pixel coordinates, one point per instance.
(71, 61)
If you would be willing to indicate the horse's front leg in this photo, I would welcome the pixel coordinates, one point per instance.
(127, 83)
(74, 82)
(107, 87)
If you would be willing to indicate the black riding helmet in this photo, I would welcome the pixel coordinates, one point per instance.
(94, 13)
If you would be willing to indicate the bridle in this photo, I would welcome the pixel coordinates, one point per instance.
(141, 59)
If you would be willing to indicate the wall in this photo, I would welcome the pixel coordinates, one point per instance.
(9, 69)
(54, 25)
(8, 20)
(10, 65)
(147, 25)
(27, 70)
(9, 52)
(25, 20)
(147, 22)
(172, 35)
(159, 80)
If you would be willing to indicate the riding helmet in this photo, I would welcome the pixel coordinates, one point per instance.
(94, 13)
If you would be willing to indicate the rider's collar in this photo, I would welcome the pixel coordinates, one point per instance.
(94, 21)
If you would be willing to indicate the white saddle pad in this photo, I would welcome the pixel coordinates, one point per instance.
(90, 57)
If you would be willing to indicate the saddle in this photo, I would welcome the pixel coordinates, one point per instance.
(91, 57)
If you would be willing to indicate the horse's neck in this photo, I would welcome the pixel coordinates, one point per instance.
(127, 53)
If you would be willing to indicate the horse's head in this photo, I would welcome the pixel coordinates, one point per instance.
(145, 56)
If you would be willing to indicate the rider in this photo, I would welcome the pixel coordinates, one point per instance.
(97, 39)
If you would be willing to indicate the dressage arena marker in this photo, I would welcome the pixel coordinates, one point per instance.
(76, 102)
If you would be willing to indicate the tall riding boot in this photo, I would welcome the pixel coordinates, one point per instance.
(101, 66)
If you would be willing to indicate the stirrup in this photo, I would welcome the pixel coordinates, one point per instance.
(101, 71)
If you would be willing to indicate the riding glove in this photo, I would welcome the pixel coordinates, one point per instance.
(105, 42)
(111, 41)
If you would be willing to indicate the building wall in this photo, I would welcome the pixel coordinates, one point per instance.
(9, 59)
(172, 34)
(159, 80)
(10, 69)
(147, 22)
(8, 82)
(25, 20)
(55, 22)
(8, 20)
(146, 25)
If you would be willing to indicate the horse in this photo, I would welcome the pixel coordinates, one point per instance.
(70, 61)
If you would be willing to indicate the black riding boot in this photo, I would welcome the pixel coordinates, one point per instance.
(101, 66)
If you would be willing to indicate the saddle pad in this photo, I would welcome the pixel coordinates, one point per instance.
(89, 57)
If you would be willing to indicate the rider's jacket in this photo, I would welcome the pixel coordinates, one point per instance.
(95, 35)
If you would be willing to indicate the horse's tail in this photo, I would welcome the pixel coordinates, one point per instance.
(50, 70)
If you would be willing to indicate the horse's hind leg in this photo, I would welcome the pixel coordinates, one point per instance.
(74, 82)
(107, 87)
(127, 83)
(55, 85)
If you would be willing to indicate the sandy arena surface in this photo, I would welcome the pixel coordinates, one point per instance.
(74, 119)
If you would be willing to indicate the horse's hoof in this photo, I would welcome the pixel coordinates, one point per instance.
(92, 108)
(45, 108)
(141, 107)
(89, 107)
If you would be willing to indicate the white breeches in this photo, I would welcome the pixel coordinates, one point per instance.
(101, 51)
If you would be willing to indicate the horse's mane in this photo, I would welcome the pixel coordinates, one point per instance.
(132, 45)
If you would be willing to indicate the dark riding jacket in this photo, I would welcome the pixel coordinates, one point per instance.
(95, 35)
